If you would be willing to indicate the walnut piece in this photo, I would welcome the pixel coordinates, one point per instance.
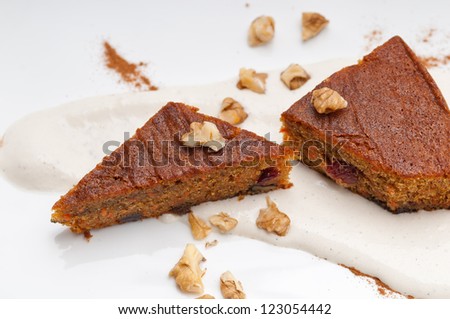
(206, 296)
(223, 222)
(326, 100)
(249, 79)
(312, 24)
(199, 227)
(294, 76)
(204, 134)
(232, 111)
(187, 272)
(272, 219)
(230, 287)
(261, 31)
(210, 244)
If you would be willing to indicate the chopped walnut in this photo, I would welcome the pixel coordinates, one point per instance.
(206, 296)
(213, 243)
(204, 134)
(232, 111)
(294, 76)
(261, 31)
(326, 100)
(230, 287)
(249, 79)
(187, 272)
(272, 219)
(312, 24)
(223, 222)
(199, 227)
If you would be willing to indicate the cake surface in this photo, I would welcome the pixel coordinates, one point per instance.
(391, 144)
(153, 173)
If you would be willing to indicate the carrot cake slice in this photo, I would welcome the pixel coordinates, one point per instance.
(178, 159)
(389, 142)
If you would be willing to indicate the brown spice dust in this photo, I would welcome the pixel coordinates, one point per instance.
(373, 39)
(429, 35)
(383, 289)
(130, 73)
(432, 61)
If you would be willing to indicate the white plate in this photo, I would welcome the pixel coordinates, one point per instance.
(199, 42)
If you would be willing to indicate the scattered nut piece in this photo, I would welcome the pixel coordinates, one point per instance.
(294, 76)
(213, 243)
(199, 227)
(272, 219)
(232, 111)
(223, 221)
(261, 31)
(312, 24)
(230, 287)
(187, 272)
(249, 79)
(204, 134)
(206, 296)
(326, 100)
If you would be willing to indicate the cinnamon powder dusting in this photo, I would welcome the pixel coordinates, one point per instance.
(429, 34)
(432, 38)
(432, 61)
(130, 73)
(383, 289)
(373, 38)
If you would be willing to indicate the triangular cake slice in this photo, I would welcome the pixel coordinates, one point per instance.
(154, 173)
(391, 143)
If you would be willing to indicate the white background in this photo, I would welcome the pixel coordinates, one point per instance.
(51, 53)
(51, 50)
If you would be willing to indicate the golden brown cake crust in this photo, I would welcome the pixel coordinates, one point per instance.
(396, 119)
(153, 173)
(394, 134)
